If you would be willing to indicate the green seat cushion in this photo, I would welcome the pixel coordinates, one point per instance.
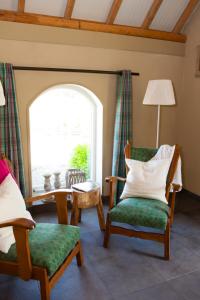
(49, 244)
(143, 154)
(141, 212)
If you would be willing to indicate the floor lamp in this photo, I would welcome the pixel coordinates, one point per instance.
(159, 92)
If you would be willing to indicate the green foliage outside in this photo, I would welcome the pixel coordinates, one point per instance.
(80, 159)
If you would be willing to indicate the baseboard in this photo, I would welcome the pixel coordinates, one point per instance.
(51, 207)
(195, 196)
(105, 199)
(42, 207)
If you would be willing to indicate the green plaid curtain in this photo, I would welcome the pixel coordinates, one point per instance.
(10, 140)
(123, 126)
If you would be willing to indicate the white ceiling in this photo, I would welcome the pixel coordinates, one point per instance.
(95, 10)
(8, 4)
(168, 14)
(46, 7)
(131, 12)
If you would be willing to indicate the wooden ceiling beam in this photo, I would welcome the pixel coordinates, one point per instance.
(132, 31)
(185, 15)
(151, 13)
(21, 6)
(37, 19)
(69, 9)
(113, 11)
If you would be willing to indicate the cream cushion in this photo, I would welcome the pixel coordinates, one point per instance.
(12, 205)
(146, 179)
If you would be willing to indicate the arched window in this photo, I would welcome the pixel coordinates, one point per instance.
(65, 132)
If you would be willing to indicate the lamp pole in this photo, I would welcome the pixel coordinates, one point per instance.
(158, 127)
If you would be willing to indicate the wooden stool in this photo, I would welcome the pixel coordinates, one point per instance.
(87, 196)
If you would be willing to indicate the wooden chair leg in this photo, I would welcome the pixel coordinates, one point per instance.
(172, 207)
(79, 215)
(74, 215)
(107, 232)
(167, 241)
(72, 220)
(44, 287)
(100, 214)
(79, 256)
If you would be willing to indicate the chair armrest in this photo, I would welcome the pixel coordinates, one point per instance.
(112, 180)
(61, 202)
(19, 222)
(32, 199)
(21, 227)
(47, 195)
(175, 187)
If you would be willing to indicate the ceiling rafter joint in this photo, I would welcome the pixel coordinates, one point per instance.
(21, 6)
(151, 13)
(113, 11)
(69, 9)
(185, 15)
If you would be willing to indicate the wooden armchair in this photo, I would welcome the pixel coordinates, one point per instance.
(42, 251)
(143, 212)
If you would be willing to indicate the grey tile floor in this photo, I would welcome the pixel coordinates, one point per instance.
(130, 269)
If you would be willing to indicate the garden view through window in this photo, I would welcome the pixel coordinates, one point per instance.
(63, 134)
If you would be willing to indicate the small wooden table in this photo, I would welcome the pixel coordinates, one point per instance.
(86, 195)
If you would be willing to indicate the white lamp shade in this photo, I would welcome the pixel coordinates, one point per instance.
(2, 97)
(159, 92)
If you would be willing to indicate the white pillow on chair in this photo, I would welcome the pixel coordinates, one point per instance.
(146, 179)
(12, 206)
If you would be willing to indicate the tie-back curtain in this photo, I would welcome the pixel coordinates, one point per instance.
(123, 125)
(10, 139)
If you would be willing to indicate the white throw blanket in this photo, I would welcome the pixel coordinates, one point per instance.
(167, 151)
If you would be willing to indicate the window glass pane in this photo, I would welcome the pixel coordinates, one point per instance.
(61, 121)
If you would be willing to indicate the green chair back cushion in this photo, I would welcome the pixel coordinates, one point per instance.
(49, 244)
(142, 154)
(141, 212)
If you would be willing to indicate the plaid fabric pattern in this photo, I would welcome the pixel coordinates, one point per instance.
(123, 125)
(10, 140)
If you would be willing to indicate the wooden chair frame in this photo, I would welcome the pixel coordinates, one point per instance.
(23, 267)
(159, 237)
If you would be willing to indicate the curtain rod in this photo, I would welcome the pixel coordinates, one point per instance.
(23, 68)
